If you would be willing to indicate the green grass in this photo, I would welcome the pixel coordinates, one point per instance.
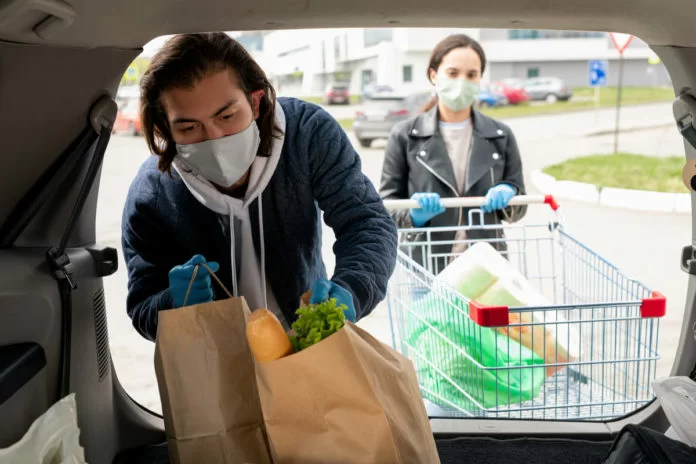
(624, 170)
(319, 100)
(607, 98)
(346, 123)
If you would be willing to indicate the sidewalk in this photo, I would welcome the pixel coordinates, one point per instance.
(590, 122)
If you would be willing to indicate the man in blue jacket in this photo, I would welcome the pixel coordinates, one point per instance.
(238, 182)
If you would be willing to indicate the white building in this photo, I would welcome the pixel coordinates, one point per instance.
(566, 54)
(305, 62)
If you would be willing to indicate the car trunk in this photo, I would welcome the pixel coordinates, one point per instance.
(50, 86)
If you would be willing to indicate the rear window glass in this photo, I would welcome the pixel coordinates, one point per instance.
(383, 102)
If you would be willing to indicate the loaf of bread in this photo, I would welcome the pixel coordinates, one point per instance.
(266, 337)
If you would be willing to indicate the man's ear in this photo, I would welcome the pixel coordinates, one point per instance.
(256, 97)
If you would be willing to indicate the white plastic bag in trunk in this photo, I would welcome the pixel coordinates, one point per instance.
(53, 438)
(677, 395)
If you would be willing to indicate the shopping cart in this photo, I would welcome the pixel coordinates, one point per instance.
(589, 352)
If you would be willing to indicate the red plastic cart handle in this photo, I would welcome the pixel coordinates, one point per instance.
(654, 306)
(551, 201)
(489, 316)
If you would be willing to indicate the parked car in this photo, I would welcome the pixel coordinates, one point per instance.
(375, 117)
(128, 118)
(487, 98)
(548, 89)
(514, 92)
(371, 90)
(337, 94)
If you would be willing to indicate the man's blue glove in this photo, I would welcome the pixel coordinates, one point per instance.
(180, 278)
(430, 206)
(323, 290)
(498, 197)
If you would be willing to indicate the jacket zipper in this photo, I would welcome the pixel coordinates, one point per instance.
(456, 194)
(648, 446)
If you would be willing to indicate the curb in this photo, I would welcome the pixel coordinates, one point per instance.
(639, 200)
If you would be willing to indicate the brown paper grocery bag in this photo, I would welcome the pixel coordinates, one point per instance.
(207, 384)
(347, 399)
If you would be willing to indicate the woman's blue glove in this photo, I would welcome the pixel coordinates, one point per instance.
(323, 290)
(180, 278)
(430, 206)
(498, 197)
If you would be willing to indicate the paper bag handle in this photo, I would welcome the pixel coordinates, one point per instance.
(193, 278)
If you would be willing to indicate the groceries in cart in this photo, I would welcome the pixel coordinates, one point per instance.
(485, 276)
(499, 365)
(546, 329)
(235, 387)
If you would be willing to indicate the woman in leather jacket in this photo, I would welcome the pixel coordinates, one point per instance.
(452, 150)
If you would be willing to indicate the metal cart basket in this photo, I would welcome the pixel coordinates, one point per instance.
(587, 352)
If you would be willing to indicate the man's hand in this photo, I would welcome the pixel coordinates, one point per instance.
(324, 290)
(180, 278)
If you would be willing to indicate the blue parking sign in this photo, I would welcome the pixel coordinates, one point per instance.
(597, 73)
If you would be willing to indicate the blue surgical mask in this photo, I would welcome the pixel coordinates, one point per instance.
(456, 94)
(225, 160)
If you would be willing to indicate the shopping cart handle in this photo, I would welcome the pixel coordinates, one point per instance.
(473, 202)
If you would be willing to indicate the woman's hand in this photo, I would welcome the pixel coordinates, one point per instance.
(430, 206)
(498, 197)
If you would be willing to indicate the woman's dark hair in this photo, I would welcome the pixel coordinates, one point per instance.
(441, 50)
(182, 62)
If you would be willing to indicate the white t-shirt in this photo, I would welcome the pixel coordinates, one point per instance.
(457, 136)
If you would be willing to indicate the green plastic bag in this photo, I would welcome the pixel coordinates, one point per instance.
(497, 371)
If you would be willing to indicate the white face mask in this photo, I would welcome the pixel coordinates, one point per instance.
(225, 160)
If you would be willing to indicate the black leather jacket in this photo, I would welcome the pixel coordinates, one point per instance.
(416, 160)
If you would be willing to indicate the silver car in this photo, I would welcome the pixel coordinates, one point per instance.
(548, 89)
(375, 117)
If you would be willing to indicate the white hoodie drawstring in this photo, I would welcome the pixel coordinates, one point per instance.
(263, 253)
(233, 239)
(235, 290)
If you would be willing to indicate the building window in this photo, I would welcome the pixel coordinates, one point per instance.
(407, 72)
(251, 41)
(337, 48)
(323, 56)
(374, 36)
(522, 34)
(367, 77)
(532, 72)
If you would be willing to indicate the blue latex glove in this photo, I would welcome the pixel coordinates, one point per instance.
(201, 290)
(430, 206)
(498, 197)
(323, 290)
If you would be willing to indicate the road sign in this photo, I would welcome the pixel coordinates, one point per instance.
(620, 41)
(597, 73)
